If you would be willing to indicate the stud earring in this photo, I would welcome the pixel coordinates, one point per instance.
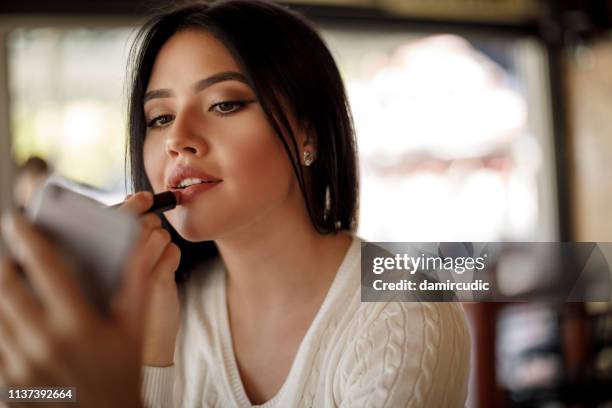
(309, 157)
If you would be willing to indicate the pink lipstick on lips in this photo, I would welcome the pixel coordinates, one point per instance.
(190, 181)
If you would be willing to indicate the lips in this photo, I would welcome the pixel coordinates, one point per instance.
(182, 172)
(188, 193)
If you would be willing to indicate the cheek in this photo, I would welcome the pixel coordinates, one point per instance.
(153, 155)
(261, 167)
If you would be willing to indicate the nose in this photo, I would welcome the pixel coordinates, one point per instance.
(183, 139)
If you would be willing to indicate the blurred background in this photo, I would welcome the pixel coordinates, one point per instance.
(477, 120)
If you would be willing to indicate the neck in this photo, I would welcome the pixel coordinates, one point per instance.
(279, 261)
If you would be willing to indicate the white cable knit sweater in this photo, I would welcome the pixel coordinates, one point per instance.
(388, 354)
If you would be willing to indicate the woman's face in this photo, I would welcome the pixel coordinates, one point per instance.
(204, 124)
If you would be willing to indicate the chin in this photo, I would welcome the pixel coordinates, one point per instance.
(191, 234)
(188, 228)
(194, 236)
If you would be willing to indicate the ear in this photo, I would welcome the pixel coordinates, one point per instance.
(308, 144)
(308, 136)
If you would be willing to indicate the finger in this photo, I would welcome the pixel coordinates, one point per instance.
(22, 315)
(133, 295)
(8, 359)
(8, 349)
(157, 241)
(7, 339)
(138, 204)
(166, 266)
(150, 221)
(47, 271)
(18, 305)
(132, 298)
(3, 373)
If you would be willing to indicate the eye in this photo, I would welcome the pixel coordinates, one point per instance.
(228, 107)
(159, 121)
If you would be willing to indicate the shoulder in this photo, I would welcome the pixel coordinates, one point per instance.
(406, 353)
(428, 318)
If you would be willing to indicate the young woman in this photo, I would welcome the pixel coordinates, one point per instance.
(240, 107)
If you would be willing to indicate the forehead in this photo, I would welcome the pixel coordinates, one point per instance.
(188, 56)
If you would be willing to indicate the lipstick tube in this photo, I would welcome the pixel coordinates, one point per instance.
(161, 202)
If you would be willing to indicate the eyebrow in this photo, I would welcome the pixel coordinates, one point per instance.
(198, 86)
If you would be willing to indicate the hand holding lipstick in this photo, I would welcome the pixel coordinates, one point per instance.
(163, 313)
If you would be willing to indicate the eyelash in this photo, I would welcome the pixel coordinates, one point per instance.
(240, 104)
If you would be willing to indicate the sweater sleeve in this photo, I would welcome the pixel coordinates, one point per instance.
(406, 355)
(157, 383)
